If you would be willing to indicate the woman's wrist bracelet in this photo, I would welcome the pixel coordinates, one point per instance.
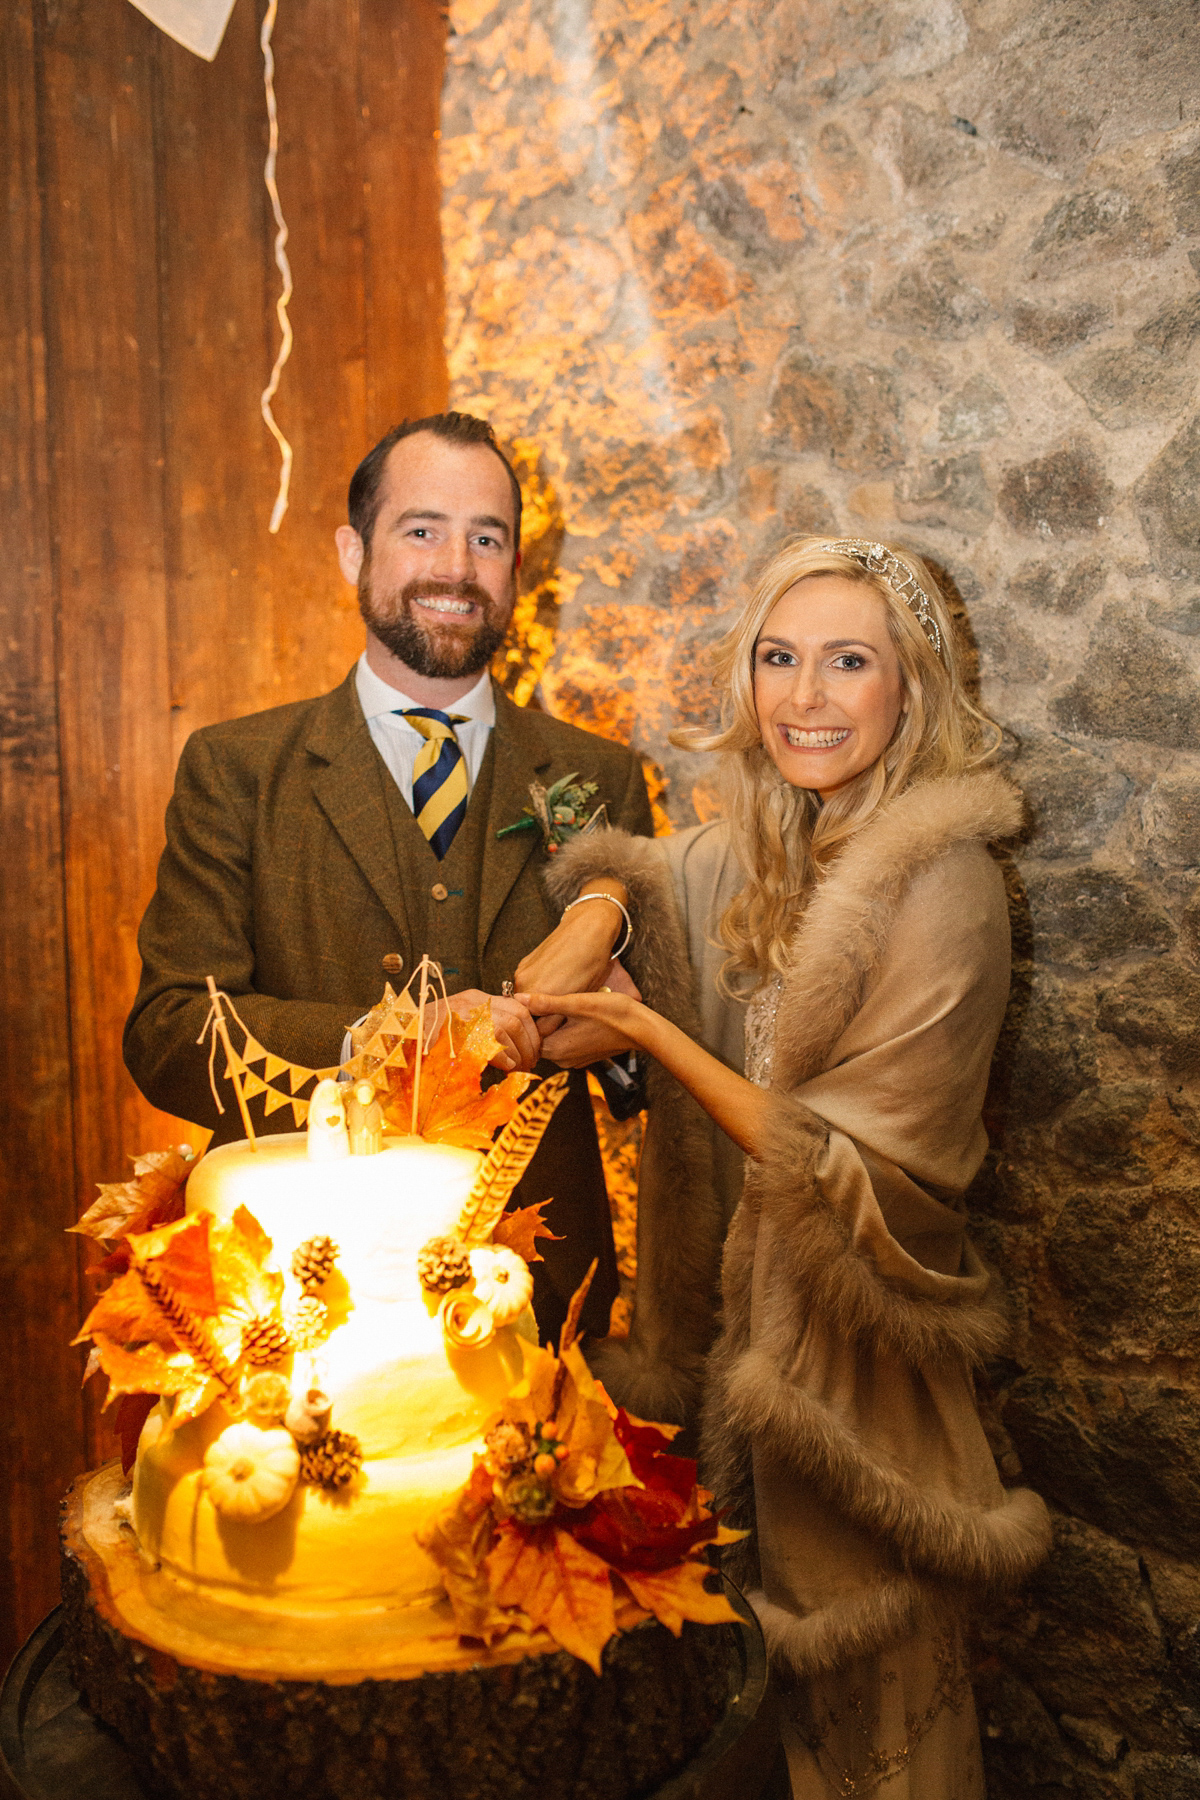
(621, 948)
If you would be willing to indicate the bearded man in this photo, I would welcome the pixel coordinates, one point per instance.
(315, 848)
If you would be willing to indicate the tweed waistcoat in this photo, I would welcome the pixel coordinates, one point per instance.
(442, 898)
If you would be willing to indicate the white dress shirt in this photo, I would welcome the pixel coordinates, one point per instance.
(398, 742)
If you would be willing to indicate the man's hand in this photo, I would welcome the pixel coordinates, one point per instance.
(576, 956)
(581, 1041)
(516, 1031)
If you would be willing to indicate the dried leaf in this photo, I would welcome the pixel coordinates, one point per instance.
(153, 1197)
(642, 1528)
(451, 1108)
(558, 1584)
(147, 1369)
(132, 1412)
(182, 1258)
(674, 1595)
(458, 1540)
(126, 1314)
(519, 1231)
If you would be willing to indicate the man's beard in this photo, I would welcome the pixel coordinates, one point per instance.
(442, 651)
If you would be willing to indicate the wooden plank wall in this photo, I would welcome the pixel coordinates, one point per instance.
(141, 594)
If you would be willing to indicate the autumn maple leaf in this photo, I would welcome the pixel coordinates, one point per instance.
(451, 1109)
(519, 1231)
(153, 1197)
(557, 1583)
(680, 1593)
(458, 1540)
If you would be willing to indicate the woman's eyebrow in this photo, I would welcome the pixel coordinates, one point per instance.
(831, 644)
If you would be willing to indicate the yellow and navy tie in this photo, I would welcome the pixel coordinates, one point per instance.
(439, 776)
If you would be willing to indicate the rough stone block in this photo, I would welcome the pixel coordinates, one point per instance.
(1157, 1005)
(1074, 798)
(1171, 822)
(1090, 916)
(1132, 685)
(1052, 329)
(932, 298)
(1117, 1452)
(952, 493)
(1129, 385)
(1129, 1264)
(1168, 503)
(977, 412)
(850, 412)
(1046, 1054)
(1058, 587)
(1065, 494)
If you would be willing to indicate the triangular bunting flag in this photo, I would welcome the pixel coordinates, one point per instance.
(298, 1076)
(274, 1101)
(234, 1064)
(356, 1067)
(326, 1075)
(252, 1050)
(252, 1084)
(299, 1111)
(275, 1066)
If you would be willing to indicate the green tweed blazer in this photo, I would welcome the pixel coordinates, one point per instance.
(283, 878)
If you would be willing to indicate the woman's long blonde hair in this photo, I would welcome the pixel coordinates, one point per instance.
(785, 836)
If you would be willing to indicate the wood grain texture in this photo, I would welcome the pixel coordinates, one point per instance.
(141, 594)
(41, 1429)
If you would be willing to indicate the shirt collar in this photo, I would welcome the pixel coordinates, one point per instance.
(377, 697)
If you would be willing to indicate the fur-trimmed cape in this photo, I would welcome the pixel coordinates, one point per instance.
(840, 1421)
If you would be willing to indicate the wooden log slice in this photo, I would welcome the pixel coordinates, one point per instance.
(537, 1727)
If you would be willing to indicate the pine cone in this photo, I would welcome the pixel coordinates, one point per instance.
(444, 1264)
(309, 1322)
(313, 1262)
(265, 1341)
(333, 1462)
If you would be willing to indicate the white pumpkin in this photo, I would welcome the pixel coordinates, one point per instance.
(502, 1282)
(251, 1474)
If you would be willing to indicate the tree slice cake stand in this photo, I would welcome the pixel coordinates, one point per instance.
(400, 1717)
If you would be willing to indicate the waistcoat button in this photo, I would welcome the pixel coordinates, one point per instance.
(439, 890)
(393, 962)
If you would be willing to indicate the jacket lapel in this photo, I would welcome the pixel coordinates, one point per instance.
(520, 755)
(346, 788)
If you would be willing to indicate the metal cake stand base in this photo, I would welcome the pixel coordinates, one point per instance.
(51, 1748)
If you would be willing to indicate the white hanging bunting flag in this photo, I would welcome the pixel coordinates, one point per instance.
(198, 25)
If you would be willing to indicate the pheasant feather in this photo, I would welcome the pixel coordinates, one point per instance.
(508, 1160)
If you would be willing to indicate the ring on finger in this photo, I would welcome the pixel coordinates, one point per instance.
(507, 989)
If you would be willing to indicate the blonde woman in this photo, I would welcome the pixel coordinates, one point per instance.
(840, 1036)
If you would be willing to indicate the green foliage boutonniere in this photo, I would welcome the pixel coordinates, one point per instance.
(560, 812)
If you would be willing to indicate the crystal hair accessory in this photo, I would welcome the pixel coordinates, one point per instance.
(878, 560)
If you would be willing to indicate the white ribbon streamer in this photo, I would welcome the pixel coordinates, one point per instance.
(285, 270)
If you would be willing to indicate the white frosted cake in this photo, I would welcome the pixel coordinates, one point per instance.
(415, 1403)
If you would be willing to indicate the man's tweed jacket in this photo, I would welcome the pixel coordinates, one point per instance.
(291, 871)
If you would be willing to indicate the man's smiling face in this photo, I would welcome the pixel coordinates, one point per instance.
(438, 583)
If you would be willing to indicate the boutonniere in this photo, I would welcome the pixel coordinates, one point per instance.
(560, 812)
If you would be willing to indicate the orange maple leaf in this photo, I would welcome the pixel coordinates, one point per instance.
(451, 1109)
(458, 1540)
(181, 1256)
(519, 1231)
(674, 1595)
(558, 1584)
(153, 1197)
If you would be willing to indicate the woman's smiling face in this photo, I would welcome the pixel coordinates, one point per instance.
(828, 688)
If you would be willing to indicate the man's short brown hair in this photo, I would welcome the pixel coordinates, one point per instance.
(452, 428)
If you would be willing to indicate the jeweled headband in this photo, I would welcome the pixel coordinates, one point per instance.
(878, 559)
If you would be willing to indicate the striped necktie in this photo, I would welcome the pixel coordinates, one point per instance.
(439, 776)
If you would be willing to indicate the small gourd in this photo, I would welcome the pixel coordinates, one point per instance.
(251, 1474)
(502, 1282)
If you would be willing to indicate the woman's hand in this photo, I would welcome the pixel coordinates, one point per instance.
(590, 1033)
(739, 1108)
(576, 956)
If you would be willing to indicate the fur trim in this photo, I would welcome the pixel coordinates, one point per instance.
(845, 927)
(805, 1645)
(657, 1372)
(825, 1274)
(939, 1539)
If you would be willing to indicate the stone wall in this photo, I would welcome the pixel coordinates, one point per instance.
(735, 270)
